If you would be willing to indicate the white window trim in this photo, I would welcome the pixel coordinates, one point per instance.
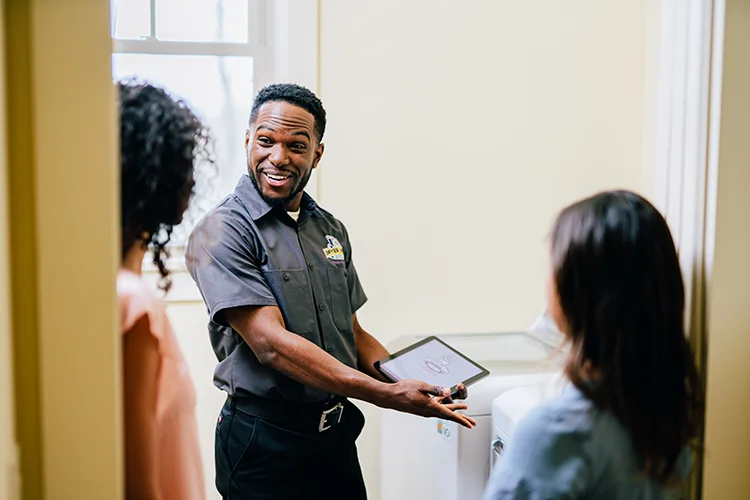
(683, 130)
(160, 47)
(293, 38)
(282, 40)
(687, 149)
(256, 42)
(285, 49)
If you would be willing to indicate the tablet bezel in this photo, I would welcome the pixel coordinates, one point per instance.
(483, 372)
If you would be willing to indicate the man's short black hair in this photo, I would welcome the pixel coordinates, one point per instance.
(296, 95)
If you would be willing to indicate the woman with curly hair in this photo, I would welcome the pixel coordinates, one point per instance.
(161, 140)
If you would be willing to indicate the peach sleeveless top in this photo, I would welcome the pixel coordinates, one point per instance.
(180, 470)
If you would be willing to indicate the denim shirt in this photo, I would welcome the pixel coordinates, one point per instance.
(568, 449)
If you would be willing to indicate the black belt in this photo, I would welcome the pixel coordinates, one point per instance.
(293, 415)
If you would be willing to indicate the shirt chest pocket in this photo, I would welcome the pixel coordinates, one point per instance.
(338, 299)
(292, 292)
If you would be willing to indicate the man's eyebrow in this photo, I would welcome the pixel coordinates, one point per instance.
(303, 133)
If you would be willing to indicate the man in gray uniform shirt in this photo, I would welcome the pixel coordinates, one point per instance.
(276, 274)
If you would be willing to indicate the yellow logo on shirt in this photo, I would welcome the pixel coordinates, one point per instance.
(333, 250)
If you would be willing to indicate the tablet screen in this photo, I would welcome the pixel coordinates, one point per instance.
(433, 362)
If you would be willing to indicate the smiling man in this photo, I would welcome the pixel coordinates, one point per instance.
(277, 276)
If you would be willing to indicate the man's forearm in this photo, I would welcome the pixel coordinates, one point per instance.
(264, 331)
(303, 361)
(369, 350)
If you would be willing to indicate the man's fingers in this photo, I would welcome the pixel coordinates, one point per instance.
(463, 420)
(457, 406)
(449, 414)
(435, 390)
(443, 406)
(461, 392)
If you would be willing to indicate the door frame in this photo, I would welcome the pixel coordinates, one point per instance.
(9, 468)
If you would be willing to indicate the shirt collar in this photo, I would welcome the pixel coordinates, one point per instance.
(258, 207)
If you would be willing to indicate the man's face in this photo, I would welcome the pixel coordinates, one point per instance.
(282, 151)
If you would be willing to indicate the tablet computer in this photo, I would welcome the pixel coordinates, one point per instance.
(433, 361)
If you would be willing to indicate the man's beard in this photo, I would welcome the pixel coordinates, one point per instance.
(280, 202)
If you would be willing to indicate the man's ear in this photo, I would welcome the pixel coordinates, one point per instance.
(247, 139)
(318, 154)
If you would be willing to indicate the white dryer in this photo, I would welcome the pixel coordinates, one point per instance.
(513, 405)
(440, 460)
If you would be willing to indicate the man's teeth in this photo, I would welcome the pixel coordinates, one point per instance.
(277, 177)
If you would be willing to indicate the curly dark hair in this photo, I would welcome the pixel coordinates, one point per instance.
(293, 94)
(161, 140)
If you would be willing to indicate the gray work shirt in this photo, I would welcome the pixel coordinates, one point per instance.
(246, 253)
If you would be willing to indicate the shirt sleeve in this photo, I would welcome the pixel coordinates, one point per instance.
(547, 459)
(357, 297)
(223, 261)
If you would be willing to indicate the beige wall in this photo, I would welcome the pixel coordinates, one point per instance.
(78, 248)
(20, 144)
(8, 459)
(728, 413)
(456, 132)
(448, 216)
(64, 247)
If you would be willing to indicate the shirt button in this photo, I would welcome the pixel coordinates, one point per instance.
(329, 349)
(322, 307)
(310, 267)
(285, 276)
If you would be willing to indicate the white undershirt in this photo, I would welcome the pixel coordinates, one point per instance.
(294, 215)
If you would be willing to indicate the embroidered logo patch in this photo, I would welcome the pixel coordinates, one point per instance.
(333, 250)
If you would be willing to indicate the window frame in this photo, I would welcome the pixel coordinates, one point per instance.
(284, 44)
(151, 44)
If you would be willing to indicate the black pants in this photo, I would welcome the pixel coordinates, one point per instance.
(258, 459)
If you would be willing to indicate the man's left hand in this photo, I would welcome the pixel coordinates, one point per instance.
(461, 392)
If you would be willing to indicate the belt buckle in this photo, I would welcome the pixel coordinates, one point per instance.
(331, 417)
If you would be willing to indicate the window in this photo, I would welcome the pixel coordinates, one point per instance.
(216, 54)
(209, 53)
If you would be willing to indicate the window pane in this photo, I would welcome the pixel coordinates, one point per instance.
(202, 20)
(220, 91)
(131, 19)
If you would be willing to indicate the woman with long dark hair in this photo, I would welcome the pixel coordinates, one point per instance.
(161, 141)
(624, 427)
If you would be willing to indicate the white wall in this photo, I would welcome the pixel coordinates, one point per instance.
(456, 132)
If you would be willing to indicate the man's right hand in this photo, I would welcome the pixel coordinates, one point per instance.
(423, 399)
